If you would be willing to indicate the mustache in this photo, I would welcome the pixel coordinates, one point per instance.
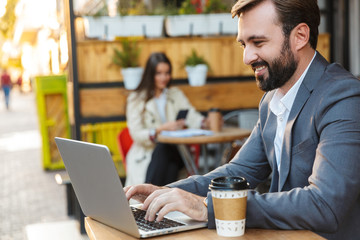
(260, 63)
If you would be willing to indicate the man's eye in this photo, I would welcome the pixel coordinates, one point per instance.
(258, 43)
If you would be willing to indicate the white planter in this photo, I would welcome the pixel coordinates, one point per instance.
(185, 25)
(222, 24)
(132, 77)
(110, 27)
(201, 24)
(197, 74)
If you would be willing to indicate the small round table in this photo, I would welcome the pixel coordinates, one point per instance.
(227, 134)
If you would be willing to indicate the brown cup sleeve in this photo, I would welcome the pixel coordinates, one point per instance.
(230, 209)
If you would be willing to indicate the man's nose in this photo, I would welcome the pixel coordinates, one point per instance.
(249, 56)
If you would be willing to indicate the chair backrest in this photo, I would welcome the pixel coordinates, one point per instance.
(245, 118)
(124, 142)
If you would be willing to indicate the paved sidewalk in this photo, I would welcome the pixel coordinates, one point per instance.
(28, 194)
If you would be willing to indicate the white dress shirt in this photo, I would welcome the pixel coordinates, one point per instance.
(281, 106)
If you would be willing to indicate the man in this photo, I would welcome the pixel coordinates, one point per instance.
(307, 135)
(6, 86)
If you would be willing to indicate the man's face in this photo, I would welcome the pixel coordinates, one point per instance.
(266, 49)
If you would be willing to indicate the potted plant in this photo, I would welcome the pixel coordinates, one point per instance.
(188, 22)
(128, 61)
(201, 17)
(132, 19)
(196, 67)
(137, 20)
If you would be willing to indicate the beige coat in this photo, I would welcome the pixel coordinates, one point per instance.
(140, 121)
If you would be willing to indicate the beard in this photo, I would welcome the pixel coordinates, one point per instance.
(280, 69)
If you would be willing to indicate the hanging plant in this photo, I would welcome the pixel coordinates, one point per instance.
(216, 6)
(200, 6)
(191, 7)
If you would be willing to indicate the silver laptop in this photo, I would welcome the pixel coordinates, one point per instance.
(101, 196)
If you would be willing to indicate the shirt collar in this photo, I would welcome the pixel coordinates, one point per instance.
(279, 103)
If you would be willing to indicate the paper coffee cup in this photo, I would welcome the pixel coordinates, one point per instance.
(229, 195)
(214, 116)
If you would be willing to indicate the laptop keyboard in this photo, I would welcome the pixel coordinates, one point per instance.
(145, 225)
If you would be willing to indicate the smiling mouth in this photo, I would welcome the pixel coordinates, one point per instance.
(259, 68)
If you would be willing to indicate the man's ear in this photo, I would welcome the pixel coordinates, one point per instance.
(300, 35)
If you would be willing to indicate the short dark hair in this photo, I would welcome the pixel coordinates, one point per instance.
(290, 14)
(147, 83)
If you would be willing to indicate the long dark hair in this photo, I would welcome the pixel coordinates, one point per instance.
(147, 83)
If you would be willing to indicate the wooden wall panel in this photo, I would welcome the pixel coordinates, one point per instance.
(224, 55)
(225, 96)
(323, 45)
(103, 102)
(109, 102)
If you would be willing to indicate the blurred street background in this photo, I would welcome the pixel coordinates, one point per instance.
(31, 203)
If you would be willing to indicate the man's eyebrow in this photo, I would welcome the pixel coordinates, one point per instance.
(251, 38)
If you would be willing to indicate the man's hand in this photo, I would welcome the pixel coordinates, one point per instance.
(165, 200)
(162, 200)
(140, 192)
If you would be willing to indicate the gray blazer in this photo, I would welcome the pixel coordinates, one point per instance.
(319, 183)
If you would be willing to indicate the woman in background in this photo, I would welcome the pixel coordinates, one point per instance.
(150, 109)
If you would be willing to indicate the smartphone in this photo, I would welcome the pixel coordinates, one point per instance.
(182, 114)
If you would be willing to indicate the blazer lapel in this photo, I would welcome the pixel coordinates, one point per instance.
(269, 136)
(314, 73)
(301, 98)
(269, 130)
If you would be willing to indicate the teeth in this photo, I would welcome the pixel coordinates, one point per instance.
(259, 68)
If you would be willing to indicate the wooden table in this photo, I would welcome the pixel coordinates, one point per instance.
(99, 231)
(227, 134)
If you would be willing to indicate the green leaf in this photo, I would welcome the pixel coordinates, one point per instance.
(128, 56)
(194, 59)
